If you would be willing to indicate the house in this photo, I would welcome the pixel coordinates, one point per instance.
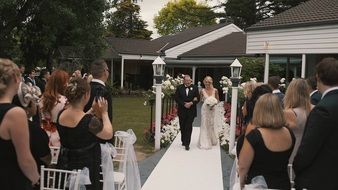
(307, 33)
(198, 51)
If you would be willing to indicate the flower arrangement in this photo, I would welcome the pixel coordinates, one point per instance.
(224, 136)
(211, 102)
(225, 83)
(170, 84)
(169, 132)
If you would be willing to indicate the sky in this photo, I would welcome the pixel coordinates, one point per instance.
(150, 8)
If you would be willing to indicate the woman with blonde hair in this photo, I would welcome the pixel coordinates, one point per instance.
(18, 167)
(52, 102)
(267, 148)
(297, 106)
(209, 97)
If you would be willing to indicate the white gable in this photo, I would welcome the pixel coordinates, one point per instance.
(201, 40)
(308, 40)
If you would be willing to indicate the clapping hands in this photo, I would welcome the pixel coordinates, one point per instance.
(100, 107)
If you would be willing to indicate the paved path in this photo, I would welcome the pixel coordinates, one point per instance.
(147, 166)
(180, 169)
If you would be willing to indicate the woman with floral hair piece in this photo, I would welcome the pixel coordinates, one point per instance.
(27, 98)
(80, 132)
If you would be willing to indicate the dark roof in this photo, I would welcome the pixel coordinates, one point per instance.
(133, 46)
(186, 35)
(309, 13)
(233, 44)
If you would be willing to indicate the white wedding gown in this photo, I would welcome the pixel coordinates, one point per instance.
(208, 136)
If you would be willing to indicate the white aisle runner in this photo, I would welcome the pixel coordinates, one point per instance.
(195, 169)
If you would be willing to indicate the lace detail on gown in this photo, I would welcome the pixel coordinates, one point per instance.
(207, 137)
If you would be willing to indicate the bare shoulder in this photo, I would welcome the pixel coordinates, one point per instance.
(16, 113)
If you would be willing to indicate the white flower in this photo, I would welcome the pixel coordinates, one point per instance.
(145, 103)
(282, 80)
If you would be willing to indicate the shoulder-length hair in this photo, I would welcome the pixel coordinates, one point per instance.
(268, 112)
(297, 95)
(55, 87)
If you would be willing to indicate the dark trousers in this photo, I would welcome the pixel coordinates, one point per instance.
(186, 121)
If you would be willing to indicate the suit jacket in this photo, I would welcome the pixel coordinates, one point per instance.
(316, 162)
(315, 98)
(181, 97)
(99, 90)
(41, 84)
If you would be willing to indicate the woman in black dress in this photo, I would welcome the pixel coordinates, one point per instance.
(268, 146)
(18, 168)
(79, 131)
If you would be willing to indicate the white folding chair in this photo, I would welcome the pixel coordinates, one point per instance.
(291, 174)
(119, 164)
(54, 151)
(56, 179)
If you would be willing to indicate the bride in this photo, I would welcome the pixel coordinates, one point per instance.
(209, 97)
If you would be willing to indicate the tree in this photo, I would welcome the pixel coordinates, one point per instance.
(254, 68)
(177, 16)
(245, 13)
(125, 22)
(38, 28)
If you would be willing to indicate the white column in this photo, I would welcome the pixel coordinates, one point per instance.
(266, 68)
(122, 71)
(158, 110)
(233, 118)
(303, 65)
(112, 70)
(193, 74)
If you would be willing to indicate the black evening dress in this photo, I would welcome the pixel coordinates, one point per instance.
(271, 165)
(79, 149)
(11, 176)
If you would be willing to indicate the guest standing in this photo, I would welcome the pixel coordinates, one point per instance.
(297, 107)
(274, 82)
(315, 164)
(79, 132)
(100, 73)
(42, 80)
(52, 102)
(18, 167)
(314, 93)
(267, 148)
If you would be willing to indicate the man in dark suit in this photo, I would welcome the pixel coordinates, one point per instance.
(42, 80)
(314, 93)
(186, 96)
(274, 82)
(316, 162)
(100, 72)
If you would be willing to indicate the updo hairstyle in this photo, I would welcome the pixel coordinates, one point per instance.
(8, 69)
(76, 89)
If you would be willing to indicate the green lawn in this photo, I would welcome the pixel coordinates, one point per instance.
(130, 113)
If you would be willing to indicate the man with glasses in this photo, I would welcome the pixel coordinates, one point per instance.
(100, 73)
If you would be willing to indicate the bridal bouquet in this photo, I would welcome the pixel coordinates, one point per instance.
(210, 102)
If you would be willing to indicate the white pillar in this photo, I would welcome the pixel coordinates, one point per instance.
(158, 111)
(303, 66)
(266, 68)
(122, 71)
(233, 118)
(193, 74)
(112, 70)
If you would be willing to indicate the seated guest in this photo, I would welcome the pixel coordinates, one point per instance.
(38, 137)
(79, 131)
(18, 168)
(314, 93)
(267, 148)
